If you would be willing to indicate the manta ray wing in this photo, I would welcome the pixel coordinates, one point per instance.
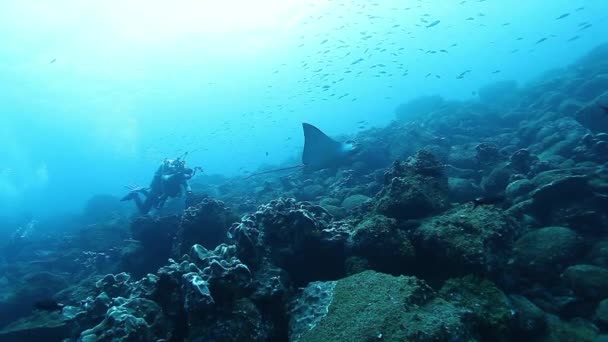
(320, 151)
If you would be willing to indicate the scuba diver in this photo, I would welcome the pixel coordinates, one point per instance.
(170, 180)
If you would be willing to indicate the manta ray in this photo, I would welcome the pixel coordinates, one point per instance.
(320, 151)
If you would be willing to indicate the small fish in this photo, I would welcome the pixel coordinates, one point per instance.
(541, 40)
(604, 108)
(562, 16)
(434, 23)
(574, 38)
(48, 305)
(490, 200)
(266, 154)
(53, 61)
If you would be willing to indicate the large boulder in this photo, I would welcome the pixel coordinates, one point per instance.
(413, 189)
(299, 237)
(372, 306)
(380, 240)
(206, 224)
(543, 253)
(587, 281)
(465, 239)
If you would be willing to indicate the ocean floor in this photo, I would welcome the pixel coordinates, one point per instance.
(482, 220)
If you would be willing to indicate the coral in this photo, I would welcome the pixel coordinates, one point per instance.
(134, 320)
(296, 236)
(205, 223)
(114, 285)
(310, 307)
(227, 277)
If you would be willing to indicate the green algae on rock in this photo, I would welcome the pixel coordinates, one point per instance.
(373, 306)
(490, 307)
(380, 240)
(587, 280)
(413, 189)
(466, 238)
(545, 252)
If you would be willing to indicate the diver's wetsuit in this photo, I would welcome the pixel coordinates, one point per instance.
(174, 183)
(169, 180)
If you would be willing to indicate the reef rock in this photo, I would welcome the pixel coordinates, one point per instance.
(466, 239)
(381, 241)
(587, 280)
(543, 253)
(299, 237)
(413, 189)
(372, 306)
(489, 306)
(134, 320)
(528, 320)
(205, 223)
(354, 201)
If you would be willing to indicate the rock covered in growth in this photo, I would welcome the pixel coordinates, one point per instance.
(489, 306)
(372, 306)
(205, 223)
(198, 296)
(353, 201)
(543, 253)
(114, 285)
(576, 329)
(133, 320)
(497, 180)
(466, 239)
(587, 280)
(528, 320)
(299, 237)
(413, 189)
(156, 238)
(227, 276)
(309, 307)
(381, 241)
(41, 326)
(601, 312)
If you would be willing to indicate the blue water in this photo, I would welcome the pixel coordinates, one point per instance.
(96, 94)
